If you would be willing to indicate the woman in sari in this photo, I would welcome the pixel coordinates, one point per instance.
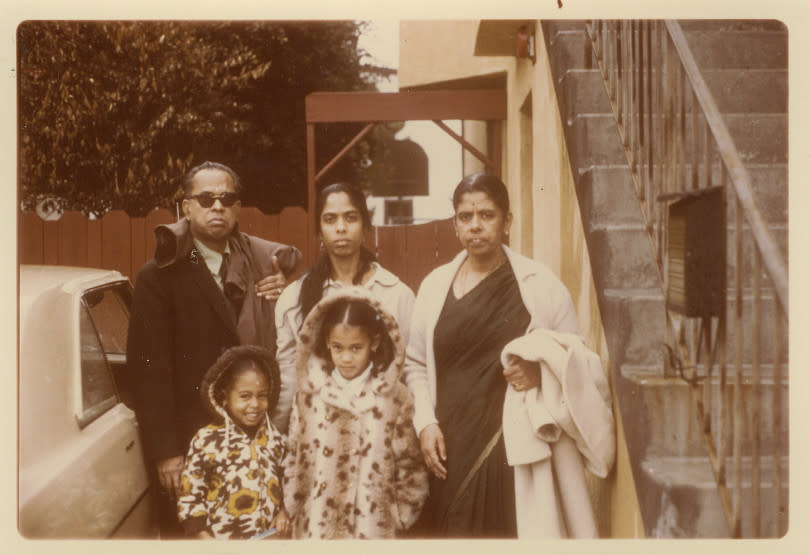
(466, 311)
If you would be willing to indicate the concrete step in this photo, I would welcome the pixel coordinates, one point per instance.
(733, 90)
(770, 184)
(608, 194)
(744, 49)
(759, 138)
(688, 504)
(623, 256)
(720, 25)
(566, 24)
(748, 90)
(636, 323)
(779, 233)
(594, 139)
(726, 44)
(668, 420)
(768, 339)
(583, 91)
(569, 49)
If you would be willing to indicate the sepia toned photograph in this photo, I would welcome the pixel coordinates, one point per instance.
(401, 278)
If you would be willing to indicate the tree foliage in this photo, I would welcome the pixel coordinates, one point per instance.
(112, 114)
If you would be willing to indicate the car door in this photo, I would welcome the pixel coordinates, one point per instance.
(93, 482)
(116, 445)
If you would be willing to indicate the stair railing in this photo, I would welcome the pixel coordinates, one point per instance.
(676, 142)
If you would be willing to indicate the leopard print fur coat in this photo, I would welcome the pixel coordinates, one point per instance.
(354, 468)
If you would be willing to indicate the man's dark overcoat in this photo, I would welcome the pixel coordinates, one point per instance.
(179, 325)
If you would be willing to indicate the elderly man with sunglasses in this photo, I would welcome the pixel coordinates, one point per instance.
(208, 287)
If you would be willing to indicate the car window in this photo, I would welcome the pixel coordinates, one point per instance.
(110, 315)
(103, 334)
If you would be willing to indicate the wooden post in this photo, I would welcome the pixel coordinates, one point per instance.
(311, 238)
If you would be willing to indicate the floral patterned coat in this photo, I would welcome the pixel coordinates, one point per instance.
(231, 482)
(354, 468)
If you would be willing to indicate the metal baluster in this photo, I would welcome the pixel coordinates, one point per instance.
(722, 337)
(738, 345)
(681, 87)
(695, 145)
(756, 395)
(708, 151)
(659, 120)
(632, 68)
(777, 421)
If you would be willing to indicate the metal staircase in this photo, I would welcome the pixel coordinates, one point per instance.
(645, 106)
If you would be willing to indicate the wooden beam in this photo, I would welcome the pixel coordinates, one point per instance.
(476, 104)
(339, 156)
(313, 237)
(495, 142)
(467, 145)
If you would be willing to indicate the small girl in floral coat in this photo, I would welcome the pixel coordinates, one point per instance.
(231, 483)
(354, 468)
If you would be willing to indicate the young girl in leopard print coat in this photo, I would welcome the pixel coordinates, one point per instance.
(231, 483)
(353, 468)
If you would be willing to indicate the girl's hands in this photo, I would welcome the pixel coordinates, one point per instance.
(282, 523)
(521, 374)
(433, 449)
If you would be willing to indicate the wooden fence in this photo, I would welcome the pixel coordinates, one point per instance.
(120, 242)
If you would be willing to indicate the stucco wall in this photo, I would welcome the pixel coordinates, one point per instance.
(439, 51)
(558, 218)
(434, 51)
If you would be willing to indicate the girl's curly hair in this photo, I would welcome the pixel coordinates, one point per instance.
(231, 364)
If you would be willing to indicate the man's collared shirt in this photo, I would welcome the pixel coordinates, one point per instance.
(213, 260)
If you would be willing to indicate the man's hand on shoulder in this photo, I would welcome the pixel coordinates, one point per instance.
(271, 286)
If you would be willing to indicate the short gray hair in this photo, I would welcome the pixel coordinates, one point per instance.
(187, 181)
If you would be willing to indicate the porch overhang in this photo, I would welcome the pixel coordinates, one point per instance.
(498, 37)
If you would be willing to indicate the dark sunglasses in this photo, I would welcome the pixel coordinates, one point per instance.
(207, 200)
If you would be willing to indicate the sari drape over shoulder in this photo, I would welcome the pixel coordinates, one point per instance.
(477, 499)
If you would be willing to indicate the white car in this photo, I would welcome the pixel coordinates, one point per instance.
(81, 464)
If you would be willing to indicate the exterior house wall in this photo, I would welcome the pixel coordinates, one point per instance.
(555, 189)
(546, 219)
(435, 51)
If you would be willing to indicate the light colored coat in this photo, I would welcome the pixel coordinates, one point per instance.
(549, 431)
(354, 468)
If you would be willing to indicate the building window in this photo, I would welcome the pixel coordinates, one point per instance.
(399, 211)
